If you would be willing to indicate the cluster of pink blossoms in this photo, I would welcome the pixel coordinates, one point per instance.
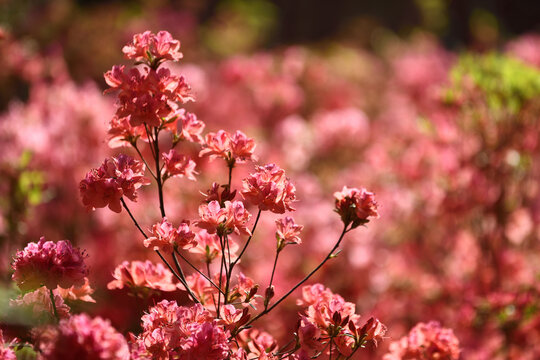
(426, 341)
(330, 323)
(177, 332)
(151, 47)
(82, 338)
(269, 189)
(178, 165)
(141, 276)
(117, 177)
(232, 217)
(355, 206)
(49, 264)
(166, 237)
(235, 148)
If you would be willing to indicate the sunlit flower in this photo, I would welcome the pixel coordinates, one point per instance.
(178, 165)
(166, 237)
(355, 206)
(137, 275)
(287, 232)
(151, 47)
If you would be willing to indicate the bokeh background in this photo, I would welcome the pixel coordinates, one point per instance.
(432, 104)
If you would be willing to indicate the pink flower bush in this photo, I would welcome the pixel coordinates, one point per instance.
(138, 276)
(426, 341)
(166, 237)
(82, 337)
(269, 189)
(49, 264)
(117, 177)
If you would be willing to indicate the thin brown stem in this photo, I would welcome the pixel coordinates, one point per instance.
(55, 311)
(266, 311)
(184, 280)
(233, 264)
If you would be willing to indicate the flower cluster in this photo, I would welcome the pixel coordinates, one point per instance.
(153, 47)
(235, 148)
(83, 338)
(355, 206)
(232, 217)
(49, 264)
(171, 331)
(426, 341)
(141, 276)
(330, 323)
(269, 189)
(178, 165)
(149, 97)
(117, 177)
(166, 237)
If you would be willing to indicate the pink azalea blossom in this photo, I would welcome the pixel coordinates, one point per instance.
(150, 47)
(138, 275)
(236, 148)
(166, 237)
(40, 302)
(191, 128)
(426, 341)
(355, 206)
(49, 264)
(178, 165)
(269, 189)
(116, 177)
(82, 338)
(233, 217)
(287, 232)
(208, 245)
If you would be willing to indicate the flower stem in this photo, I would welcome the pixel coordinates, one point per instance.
(55, 311)
(233, 264)
(266, 311)
(184, 282)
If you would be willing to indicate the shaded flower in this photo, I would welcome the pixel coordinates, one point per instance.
(49, 264)
(82, 338)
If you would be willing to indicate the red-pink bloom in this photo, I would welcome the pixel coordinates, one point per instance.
(233, 148)
(83, 338)
(287, 232)
(82, 293)
(166, 237)
(426, 341)
(151, 47)
(191, 128)
(49, 264)
(178, 165)
(116, 177)
(329, 316)
(122, 133)
(177, 332)
(138, 275)
(355, 206)
(269, 189)
(151, 97)
(233, 217)
(258, 343)
(5, 352)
